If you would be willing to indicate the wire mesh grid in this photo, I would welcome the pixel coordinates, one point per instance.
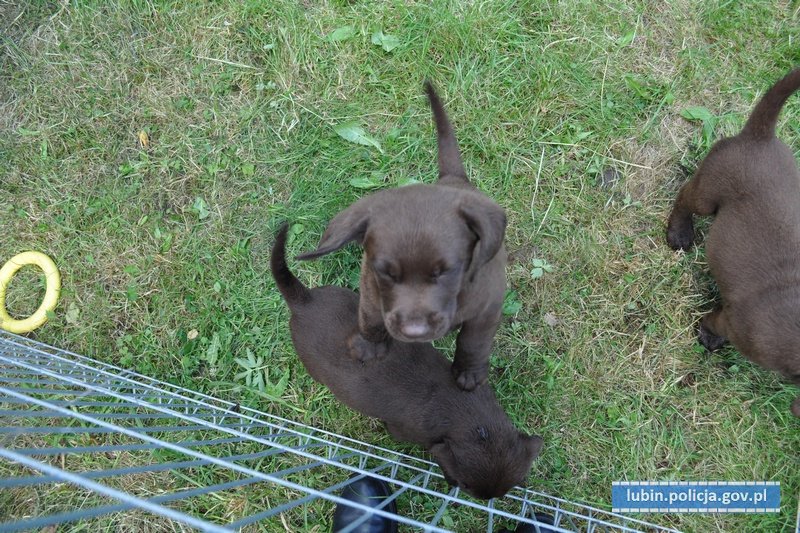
(89, 444)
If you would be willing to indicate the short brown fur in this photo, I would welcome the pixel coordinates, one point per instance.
(752, 185)
(434, 261)
(411, 390)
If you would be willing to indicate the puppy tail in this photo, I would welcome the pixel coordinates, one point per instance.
(450, 164)
(764, 118)
(293, 291)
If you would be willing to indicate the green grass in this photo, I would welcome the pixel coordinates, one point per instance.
(163, 250)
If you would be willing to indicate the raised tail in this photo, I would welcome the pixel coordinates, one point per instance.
(764, 118)
(293, 291)
(449, 155)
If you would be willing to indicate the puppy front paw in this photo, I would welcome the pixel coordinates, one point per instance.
(796, 407)
(363, 350)
(710, 340)
(680, 234)
(469, 378)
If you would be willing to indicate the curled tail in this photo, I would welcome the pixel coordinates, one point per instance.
(764, 118)
(449, 155)
(293, 291)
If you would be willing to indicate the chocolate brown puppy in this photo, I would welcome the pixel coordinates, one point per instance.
(411, 390)
(433, 261)
(752, 185)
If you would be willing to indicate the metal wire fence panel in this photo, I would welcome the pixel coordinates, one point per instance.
(91, 445)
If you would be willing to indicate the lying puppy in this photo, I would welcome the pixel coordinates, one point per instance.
(433, 261)
(410, 390)
(751, 183)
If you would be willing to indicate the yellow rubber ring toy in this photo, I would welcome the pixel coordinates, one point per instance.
(52, 290)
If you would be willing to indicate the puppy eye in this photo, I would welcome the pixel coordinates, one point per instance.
(386, 272)
(438, 272)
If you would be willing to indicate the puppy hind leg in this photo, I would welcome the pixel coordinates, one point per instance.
(680, 228)
(713, 330)
(691, 200)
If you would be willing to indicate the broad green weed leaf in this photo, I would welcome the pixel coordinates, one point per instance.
(636, 85)
(387, 42)
(697, 113)
(402, 182)
(212, 352)
(706, 117)
(365, 183)
(511, 303)
(341, 34)
(72, 313)
(201, 208)
(627, 39)
(294, 231)
(351, 131)
(132, 292)
(166, 243)
(540, 266)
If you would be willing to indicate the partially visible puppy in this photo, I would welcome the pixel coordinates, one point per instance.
(752, 184)
(433, 261)
(411, 390)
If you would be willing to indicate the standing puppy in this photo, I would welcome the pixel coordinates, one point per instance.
(433, 261)
(751, 183)
(411, 390)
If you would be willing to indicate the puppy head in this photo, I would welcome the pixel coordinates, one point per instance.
(422, 244)
(487, 462)
(420, 267)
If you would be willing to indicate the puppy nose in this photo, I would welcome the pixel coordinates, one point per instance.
(415, 329)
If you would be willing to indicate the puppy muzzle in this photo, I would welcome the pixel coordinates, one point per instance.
(417, 328)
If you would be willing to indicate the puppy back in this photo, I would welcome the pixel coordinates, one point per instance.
(764, 118)
(293, 291)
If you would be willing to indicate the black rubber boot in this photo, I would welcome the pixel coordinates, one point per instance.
(367, 491)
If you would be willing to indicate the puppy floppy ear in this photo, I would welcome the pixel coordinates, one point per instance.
(443, 455)
(533, 446)
(487, 221)
(348, 225)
